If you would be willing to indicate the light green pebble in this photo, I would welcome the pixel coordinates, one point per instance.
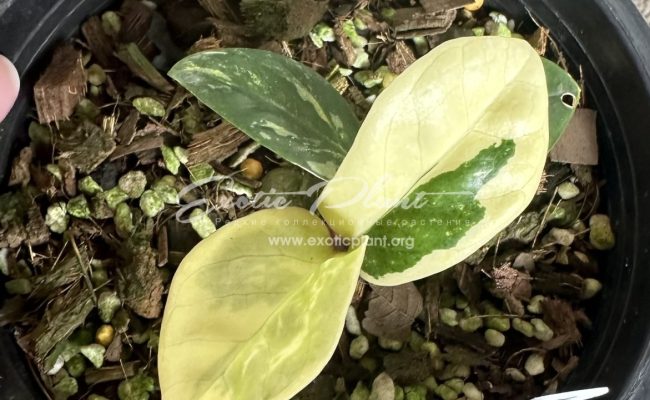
(502, 31)
(362, 59)
(114, 197)
(542, 331)
(446, 393)
(471, 392)
(449, 316)
(431, 348)
(201, 172)
(108, 303)
(535, 304)
(96, 397)
(455, 371)
(55, 170)
(123, 220)
(369, 363)
(137, 388)
(515, 375)
(524, 327)
(96, 75)
(88, 186)
(456, 384)
(601, 235)
(471, 324)
(21, 286)
(399, 393)
(494, 338)
(133, 183)
(501, 324)
(590, 288)
(151, 203)
(149, 106)
(57, 218)
(568, 190)
(390, 344)
(479, 31)
(65, 388)
(201, 223)
(368, 79)
(167, 193)
(534, 364)
(415, 392)
(172, 163)
(78, 207)
(76, 366)
(94, 353)
(181, 154)
(39, 134)
(111, 23)
(416, 341)
(358, 347)
(352, 323)
(360, 392)
(430, 383)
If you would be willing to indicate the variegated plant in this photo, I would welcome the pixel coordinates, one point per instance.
(459, 141)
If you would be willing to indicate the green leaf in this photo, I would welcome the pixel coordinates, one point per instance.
(278, 102)
(455, 147)
(561, 87)
(250, 318)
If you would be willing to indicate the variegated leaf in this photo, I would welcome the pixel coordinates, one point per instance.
(561, 88)
(255, 311)
(455, 147)
(277, 101)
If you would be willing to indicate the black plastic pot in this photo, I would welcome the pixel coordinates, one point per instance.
(607, 38)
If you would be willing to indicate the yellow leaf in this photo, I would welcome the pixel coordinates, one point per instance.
(255, 310)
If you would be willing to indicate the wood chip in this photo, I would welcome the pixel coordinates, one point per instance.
(37, 231)
(114, 373)
(142, 285)
(221, 9)
(539, 40)
(434, 6)
(20, 171)
(400, 58)
(392, 310)
(344, 42)
(205, 44)
(163, 246)
(215, 144)
(416, 21)
(138, 145)
(61, 87)
(126, 133)
(99, 43)
(136, 21)
(140, 65)
(579, 144)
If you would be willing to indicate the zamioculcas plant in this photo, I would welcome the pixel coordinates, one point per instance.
(458, 141)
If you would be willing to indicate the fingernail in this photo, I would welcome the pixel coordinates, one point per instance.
(9, 85)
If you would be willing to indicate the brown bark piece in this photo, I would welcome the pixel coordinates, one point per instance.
(138, 145)
(434, 6)
(61, 87)
(20, 174)
(345, 44)
(163, 246)
(142, 284)
(400, 58)
(37, 231)
(99, 43)
(136, 21)
(215, 144)
(579, 144)
(131, 55)
(416, 21)
(127, 130)
(113, 373)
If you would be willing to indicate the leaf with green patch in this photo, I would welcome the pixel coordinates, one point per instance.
(563, 100)
(458, 145)
(263, 299)
(277, 101)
